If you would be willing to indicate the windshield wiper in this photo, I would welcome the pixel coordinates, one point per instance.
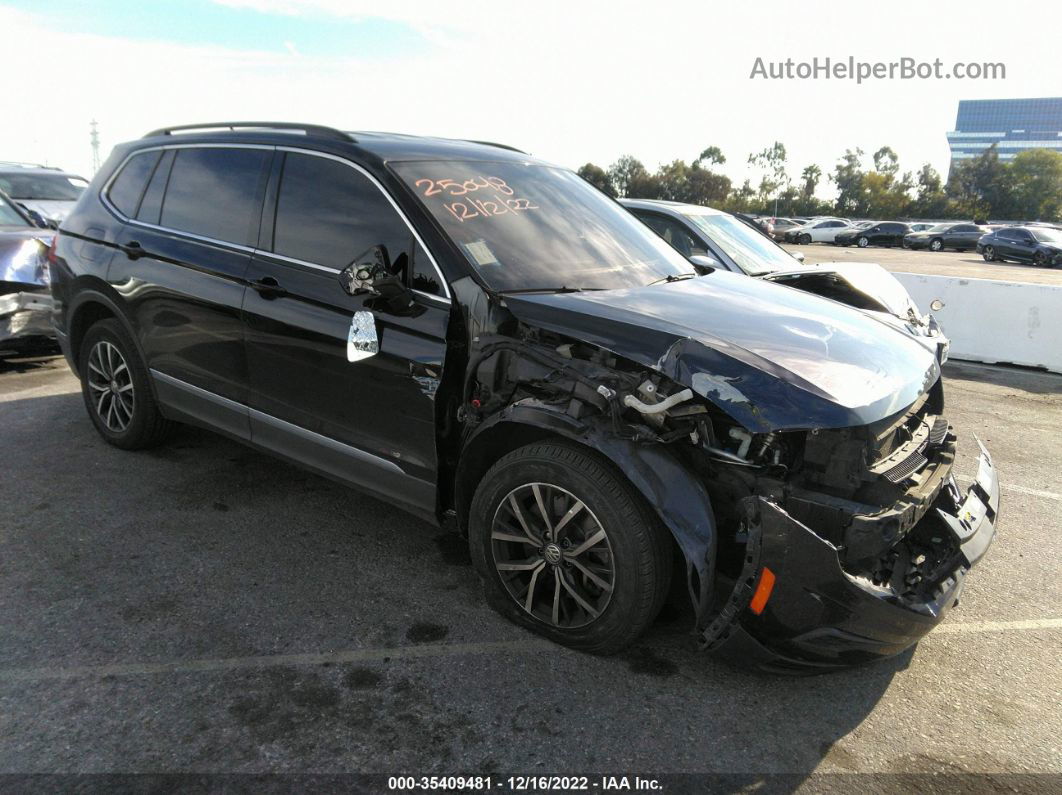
(561, 289)
(672, 277)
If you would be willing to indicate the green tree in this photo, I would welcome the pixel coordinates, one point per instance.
(1035, 178)
(809, 177)
(625, 172)
(713, 155)
(772, 161)
(848, 177)
(597, 177)
(930, 200)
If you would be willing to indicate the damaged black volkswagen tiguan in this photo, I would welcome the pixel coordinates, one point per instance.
(485, 340)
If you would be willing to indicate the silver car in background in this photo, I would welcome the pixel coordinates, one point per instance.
(49, 192)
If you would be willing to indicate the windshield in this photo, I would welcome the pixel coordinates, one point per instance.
(9, 216)
(1047, 235)
(42, 187)
(754, 253)
(529, 227)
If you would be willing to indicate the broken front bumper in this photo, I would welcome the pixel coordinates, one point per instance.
(820, 617)
(25, 317)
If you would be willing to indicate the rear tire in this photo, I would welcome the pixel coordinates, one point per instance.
(116, 389)
(597, 600)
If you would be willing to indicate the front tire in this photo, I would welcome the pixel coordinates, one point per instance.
(989, 254)
(567, 548)
(116, 390)
(936, 245)
(863, 242)
(804, 239)
(1039, 260)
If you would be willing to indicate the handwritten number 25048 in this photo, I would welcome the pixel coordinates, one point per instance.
(455, 188)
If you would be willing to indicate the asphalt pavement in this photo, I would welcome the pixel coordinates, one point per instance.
(964, 265)
(203, 608)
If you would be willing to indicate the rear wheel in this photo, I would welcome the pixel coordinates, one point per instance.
(566, 547)
(114, 385)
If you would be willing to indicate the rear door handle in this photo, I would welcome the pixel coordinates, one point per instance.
(268, 287)
(133, 249)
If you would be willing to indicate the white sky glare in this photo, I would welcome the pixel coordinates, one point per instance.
(570, 82)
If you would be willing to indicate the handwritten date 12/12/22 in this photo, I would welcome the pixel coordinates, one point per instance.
(502, 202)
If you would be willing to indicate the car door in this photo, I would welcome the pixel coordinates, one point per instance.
(1023, 245)
(185, 249)
(344, 383)
(963, 236)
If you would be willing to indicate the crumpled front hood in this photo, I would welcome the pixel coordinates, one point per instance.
(22, 255)
(867, 278)
(772, 357)
(56, 209)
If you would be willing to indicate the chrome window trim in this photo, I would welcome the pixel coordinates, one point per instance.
(442, 299)
(391, 201)
(105, 200)
(261, 416)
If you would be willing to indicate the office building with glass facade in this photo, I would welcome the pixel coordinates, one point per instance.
(1013, 125)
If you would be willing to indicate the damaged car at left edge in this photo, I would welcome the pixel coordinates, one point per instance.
(485, 340)
(25, 298)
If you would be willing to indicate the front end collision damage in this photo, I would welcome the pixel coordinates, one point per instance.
(756, 451)
(25, 303)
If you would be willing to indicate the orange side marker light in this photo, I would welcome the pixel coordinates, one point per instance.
(763, 591)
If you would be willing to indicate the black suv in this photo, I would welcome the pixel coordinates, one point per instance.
(889, 233)
(487, 341)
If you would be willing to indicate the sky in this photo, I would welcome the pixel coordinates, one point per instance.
(570, 82)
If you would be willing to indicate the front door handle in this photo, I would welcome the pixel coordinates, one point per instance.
(268, 288)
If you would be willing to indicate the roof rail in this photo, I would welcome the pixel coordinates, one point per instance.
(308, 129)
(500, 146)
(21, 164)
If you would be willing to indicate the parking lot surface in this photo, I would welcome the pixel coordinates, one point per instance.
(204, 608)
(966, 265)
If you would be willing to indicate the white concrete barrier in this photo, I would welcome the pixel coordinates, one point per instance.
(994, 321)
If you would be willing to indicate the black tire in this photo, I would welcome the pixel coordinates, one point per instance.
(989, 254)
(936, 244)
(638, 558)
(804, 239)
(144, 426)
(863, 241)
(1039, 260)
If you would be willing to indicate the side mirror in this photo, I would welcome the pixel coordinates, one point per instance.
(370, 274)
(703, 263)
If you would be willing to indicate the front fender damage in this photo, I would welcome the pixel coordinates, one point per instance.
(674, 493)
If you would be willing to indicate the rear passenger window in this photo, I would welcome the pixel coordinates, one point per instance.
(151, 204)
(328, 213)
(215, 193)
(128, 186)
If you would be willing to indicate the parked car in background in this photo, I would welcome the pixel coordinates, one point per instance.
(779, 226)
(51, 192)
(958, 236)
(25, 300)
(886, 233)
(489, 342)
(921, 226)
(697, 232)
(1039, 245)
(821, 230)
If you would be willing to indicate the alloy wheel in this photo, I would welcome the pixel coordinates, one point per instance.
(862, 242)
(936, 245)
(110, 384)
(553, 555)
(989, 254)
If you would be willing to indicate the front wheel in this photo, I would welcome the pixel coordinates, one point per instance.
(804, 239)
(989, 254)
(566, 547)
(114, 385)
(936, 245)
(1039, 260)
(863, 242)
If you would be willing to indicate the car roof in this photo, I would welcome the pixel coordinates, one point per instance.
(387, 146)
(16, 168)
(671, 207)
